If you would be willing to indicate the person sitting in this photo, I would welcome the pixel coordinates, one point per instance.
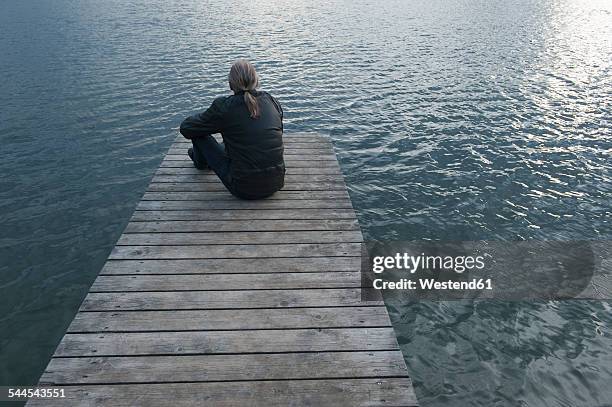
(250, 161)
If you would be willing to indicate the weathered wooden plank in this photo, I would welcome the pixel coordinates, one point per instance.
(237, 265)
(343, 203)
(304, 155)
(228, 319)
(250, 281)
(288, 142)
(208, 176)
(203, 186)
(306, 135)
(292, 141)
(238, 225)
(226, 196)
(236, 251)
(293, 146)
(332, 297)
(240, 237)
(328, 392)
(202, 368)
(315, 149)
(224, 342)
(233, 238)
(291, 162)
(314, 170)
(213, 214)
(287, 137)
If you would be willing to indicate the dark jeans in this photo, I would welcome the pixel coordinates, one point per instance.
(207, 151)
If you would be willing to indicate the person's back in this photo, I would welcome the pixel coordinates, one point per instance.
(250, 162)
(253, 143)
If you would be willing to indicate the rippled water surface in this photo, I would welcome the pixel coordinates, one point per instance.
(454, 120)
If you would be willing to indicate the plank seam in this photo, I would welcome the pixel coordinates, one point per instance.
(232, 381)
(69, 332)
(226, 353)
(226, 289)
(227, 309)
(227, 273)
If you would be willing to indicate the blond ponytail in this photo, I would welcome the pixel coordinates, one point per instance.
(252, 105)
(244, 78)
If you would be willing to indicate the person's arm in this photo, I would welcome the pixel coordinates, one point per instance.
(279, 108)
(205, 123)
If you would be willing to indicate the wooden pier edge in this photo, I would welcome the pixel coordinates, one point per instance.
(210, 300)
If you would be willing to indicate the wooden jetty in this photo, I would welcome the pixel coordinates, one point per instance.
(207, 300)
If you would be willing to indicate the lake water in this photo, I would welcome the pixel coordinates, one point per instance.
(453, 120)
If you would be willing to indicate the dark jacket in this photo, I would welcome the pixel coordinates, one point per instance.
(254, 146)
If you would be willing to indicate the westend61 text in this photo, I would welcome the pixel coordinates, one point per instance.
(431, 284)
